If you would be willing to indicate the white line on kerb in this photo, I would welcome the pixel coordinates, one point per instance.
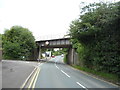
(81, 85)
(65, 73)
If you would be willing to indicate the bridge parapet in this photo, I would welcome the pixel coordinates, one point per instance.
(55, 43)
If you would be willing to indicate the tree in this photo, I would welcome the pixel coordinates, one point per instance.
(95, 35)
(18, 43)
(0, 41)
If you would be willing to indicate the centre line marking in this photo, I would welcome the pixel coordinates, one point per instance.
(81, 85)
(56, 66)
(65, 73)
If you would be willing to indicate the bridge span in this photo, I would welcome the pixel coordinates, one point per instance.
(58, 43)
(55, 43)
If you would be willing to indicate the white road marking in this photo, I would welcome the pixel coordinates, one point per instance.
(56, 66)
(81, 85)
(65, 73)
(40, 64)
(85, 73)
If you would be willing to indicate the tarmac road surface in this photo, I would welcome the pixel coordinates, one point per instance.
(60, 75)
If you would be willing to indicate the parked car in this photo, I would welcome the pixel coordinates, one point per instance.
(52, 56)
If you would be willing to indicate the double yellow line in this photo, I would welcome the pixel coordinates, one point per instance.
(31, 80)
(34, 79)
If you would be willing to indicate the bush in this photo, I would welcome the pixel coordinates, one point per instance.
(95, 36)
(18, 43)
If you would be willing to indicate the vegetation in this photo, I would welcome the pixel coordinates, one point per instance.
(0, 41)
(95, 36)
(0, 47)
(110, 77)
(58, 52)
(65, 51)
(18, 43)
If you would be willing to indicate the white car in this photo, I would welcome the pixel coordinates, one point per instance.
(62, 55)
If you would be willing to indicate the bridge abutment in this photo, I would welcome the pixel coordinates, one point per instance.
(72, 57)
(40, 53)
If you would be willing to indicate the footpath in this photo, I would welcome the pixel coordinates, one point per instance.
(14, 73)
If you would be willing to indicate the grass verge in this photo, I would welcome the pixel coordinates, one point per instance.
(65, 58)
(103, 75)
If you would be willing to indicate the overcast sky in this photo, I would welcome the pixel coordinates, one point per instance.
(41, 17)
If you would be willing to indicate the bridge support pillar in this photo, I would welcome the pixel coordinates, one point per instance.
(71, 56)
(40, 53)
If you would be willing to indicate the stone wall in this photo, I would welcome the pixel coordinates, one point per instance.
(76, 58)
(73, 58)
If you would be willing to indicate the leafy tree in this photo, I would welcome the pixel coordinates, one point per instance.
(18, 43)
(0, 41)
(95, 36)
(0, 47)
(58, 52)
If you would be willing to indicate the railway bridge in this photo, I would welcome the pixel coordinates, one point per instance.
(58, 43)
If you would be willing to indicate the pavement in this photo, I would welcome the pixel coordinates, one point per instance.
(14, 73)
(60, 75)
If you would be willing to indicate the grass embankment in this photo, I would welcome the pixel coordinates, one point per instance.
(103, 75)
